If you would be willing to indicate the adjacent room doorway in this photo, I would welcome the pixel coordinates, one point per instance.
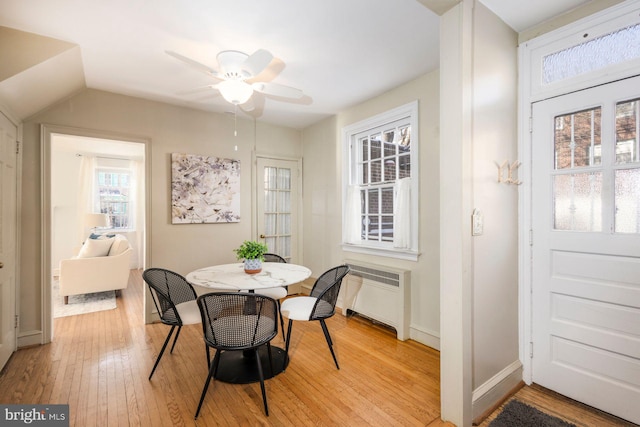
(68, 153)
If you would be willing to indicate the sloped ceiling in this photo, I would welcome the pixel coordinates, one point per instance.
(338, 52)
(37, 71)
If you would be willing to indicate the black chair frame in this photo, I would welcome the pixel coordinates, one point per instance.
(325, 305)
(165, 298)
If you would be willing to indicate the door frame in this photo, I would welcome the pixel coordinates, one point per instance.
(46, 131)
(530, 90)
(254, 212)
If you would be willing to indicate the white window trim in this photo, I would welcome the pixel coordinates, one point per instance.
(410, 111)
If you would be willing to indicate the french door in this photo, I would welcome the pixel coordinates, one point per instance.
(8, 223)
(278, 206)
(586, 246)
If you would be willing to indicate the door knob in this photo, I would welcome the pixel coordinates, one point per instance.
(1, 264)
(262, 236)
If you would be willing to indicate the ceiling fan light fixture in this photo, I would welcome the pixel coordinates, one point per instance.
(236, 92)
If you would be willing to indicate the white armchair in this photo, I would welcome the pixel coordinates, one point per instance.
(102, 265)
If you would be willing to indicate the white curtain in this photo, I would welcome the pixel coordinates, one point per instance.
(86, 202)
(402, 217)
(352, 227)
(137, 208)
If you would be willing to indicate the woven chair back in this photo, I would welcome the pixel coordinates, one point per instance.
(326, 290)
(238, 320)
(274, 258)
(168, 289)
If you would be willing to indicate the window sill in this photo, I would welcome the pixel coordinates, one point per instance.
(408, 255)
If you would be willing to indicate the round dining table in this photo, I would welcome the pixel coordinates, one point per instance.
(240, 367)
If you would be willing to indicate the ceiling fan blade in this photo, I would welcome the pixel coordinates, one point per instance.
(248, 106)
(195, 64)
(197, 90)
(257, 62)
(275, 89)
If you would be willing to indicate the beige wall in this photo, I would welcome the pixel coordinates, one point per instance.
(322, 145)
(479, 274)
(169, 129)
(495, 252)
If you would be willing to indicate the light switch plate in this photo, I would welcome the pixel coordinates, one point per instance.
(477, 223)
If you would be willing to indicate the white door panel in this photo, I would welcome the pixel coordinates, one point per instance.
(8, 209)
(586, 247)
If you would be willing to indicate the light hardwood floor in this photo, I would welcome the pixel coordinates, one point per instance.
(98, 363)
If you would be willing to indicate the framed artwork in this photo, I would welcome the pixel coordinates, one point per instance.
(204, 189)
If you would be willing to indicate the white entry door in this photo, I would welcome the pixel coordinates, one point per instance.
(586, 246)
(8, 218)
(278, 200)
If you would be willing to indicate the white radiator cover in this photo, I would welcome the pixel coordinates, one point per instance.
(380, 293)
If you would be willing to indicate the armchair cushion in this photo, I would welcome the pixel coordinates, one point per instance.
(95, 247)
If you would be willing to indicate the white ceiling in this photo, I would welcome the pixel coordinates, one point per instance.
(338, 52)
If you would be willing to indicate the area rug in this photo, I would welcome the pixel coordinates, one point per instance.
(518, 414)
(81, 304)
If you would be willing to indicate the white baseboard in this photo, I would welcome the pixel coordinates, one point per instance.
(30, 338)
(494, 390)
(428, 338)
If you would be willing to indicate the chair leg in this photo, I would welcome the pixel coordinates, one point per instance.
(270, 358)
(175, 339)
(286, 347)
(212, 368)
(206, 347)
(166, 341)
(281, 318)
(261, 374)
(328, 337)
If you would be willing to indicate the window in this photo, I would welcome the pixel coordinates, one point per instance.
(380, 186)
(113, 192)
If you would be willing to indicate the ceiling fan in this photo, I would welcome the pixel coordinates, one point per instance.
(237, 73)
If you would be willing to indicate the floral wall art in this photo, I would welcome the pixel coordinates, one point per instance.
(204, 189)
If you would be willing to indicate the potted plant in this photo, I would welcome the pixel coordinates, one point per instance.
(253, 254)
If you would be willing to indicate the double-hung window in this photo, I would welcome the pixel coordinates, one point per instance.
(113, 192)
(380, 195)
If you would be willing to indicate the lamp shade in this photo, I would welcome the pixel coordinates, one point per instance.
(235, 91)
(93, 220)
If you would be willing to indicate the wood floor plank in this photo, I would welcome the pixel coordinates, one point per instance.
(99, 364)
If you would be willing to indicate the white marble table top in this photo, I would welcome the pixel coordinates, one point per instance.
(232, 276)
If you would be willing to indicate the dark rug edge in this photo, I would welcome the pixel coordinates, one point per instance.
(519, 414)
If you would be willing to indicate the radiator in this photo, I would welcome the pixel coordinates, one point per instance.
(379, 293)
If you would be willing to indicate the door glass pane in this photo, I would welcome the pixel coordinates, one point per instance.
(627, 124)
(627, 183)
(270, 224)
(284, 224)
(284, 179)
(270, 175)
(577, 202)
(277, 210)
(284, 201)
(577, 140)
(270, 201)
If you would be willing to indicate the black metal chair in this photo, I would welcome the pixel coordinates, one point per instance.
(175, 300)
(237, 321)
(319, 305)
(268, 257)
(275, 293)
